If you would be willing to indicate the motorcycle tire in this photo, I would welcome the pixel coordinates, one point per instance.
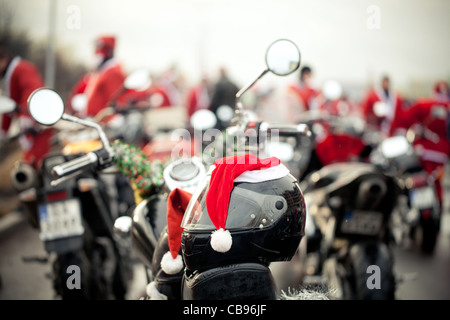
(92, 285)
(362, 257)
(426, 235)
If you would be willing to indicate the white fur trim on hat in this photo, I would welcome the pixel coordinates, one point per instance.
(221, 240)
(170, 265)
(256, 176)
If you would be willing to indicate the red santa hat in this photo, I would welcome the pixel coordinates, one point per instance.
(171, 262)
(104, 45)
(227, 171)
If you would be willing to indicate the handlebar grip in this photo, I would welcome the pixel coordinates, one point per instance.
(74, 165)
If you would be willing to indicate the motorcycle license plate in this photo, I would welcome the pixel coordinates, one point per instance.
(362, 222)
(60, 219)
(422, 198)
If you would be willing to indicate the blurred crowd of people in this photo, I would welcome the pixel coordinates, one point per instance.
(382, 107)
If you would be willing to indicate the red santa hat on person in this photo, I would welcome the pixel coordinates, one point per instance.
(104, 45)
(442, 91)
(227, 171)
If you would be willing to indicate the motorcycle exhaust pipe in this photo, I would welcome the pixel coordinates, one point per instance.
(370, 193)
(23, 177)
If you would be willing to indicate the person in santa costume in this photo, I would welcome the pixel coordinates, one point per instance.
(20, 78)
(104, 82)
(247, 210)
(429, 118)
(199, 96)
(303, 91)
(389, 120)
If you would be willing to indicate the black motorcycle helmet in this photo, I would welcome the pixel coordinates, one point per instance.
(266, 221)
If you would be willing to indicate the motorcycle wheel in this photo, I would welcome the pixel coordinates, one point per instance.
(426, 235)
(93, 285)
(364, 256)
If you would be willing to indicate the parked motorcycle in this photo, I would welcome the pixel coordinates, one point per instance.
(265, 220)
(417, 215)
(124, 118)
(271, 233)
(349, 207)
(75, 209)
(334, 139)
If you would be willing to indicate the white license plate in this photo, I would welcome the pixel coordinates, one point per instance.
(422, 198)
(362, 222)
(60, 219)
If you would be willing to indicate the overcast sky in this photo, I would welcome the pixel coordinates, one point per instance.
(348, 40)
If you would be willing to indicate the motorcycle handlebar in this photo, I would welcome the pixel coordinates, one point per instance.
(286, 129)
(75, 165)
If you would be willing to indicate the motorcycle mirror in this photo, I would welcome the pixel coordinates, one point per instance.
(79, 102)
(332, 90)
(203, 119)
(138, 80)
(380, 109)
(395, 146)
(225, 113)
(6, 105)
(46, 106)
(283, 57)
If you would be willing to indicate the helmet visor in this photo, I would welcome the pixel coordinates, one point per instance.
(248, 209)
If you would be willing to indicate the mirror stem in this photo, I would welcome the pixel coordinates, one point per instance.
(244, 89)
(90, 124)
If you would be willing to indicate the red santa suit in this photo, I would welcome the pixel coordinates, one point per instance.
(393, 122)
(433, 145)
(21, 79)
(197, 98)
(305, 94)
(78, 89)
(103, 86)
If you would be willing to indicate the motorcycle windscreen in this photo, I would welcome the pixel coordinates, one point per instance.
(248, 209)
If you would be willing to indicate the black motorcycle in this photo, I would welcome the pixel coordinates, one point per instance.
(75, 211)
(265, 219)
(349, 238)
(417, 216)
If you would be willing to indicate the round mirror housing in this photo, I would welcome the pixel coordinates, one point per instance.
(283, 57)
(381, 109)
(332, 90)
(225, 113)
(79, 102)
(395, 146)
(138, 80)
(46, 106)
(203, 119)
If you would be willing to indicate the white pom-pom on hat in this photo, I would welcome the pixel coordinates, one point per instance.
(177, 202)
(221, 240)
(170, 265)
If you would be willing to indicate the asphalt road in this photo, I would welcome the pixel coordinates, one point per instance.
(427, 277)
(23, 277)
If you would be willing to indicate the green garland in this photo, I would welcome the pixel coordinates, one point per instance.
(144, 174)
